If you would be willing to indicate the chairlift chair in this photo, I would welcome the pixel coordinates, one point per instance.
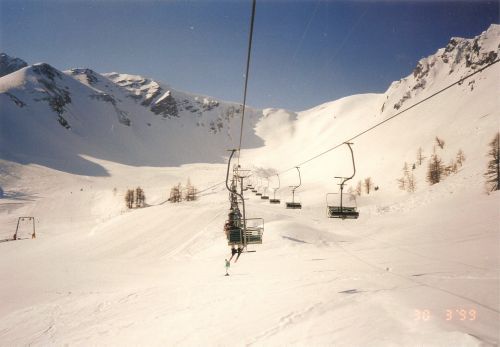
(240, 231)
(275, 200)
(294, 204)
(344, 212)
(265, 194)
(340, 211)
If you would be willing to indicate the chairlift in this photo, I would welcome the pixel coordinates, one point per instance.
(265, 194)
(275, 200)
(257, 192)
(240, 231)
(295, 204)
(340, 211)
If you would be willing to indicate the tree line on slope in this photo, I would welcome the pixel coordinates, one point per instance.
(438, 171)
(135, 198)
(179, 193)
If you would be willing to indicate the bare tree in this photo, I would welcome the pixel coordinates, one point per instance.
(492, 173)
(406, 171)
(140, 197)
(358, 189)
(420, 156)
(368, 184)
(412, 184)
(129, 198)
(460, 158)
(435, 169)
(191, 192)
(403, 181)
(451, 168)
(175, 194)
(440, 142)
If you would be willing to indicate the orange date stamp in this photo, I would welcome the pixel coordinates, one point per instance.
(451, 314)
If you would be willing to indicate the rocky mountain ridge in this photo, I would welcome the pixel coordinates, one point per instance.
(459, 58)
(124, 118)
(10, 64)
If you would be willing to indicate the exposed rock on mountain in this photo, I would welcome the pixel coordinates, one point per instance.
(459, 58)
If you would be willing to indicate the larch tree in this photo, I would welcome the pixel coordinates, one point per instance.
(140, 197)
(368, 183)
(420, 156)
(435, 169)
(129, 198)
(492, 173)
(412, 184)
(460, 158)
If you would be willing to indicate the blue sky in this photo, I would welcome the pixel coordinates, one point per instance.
(305, 52)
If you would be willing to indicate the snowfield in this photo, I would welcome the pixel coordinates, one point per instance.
(415, 269)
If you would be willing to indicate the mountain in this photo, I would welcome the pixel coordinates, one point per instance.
(416, 268)
(460, 57)
(54, 118)
(9, 64)
(466, 116)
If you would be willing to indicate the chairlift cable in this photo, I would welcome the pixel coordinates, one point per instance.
(250, 37)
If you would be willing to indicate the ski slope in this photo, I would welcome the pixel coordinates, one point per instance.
(415, 269)
(154, 276)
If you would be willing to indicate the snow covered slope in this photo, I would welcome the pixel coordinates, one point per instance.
(54, 118)
(415, 269)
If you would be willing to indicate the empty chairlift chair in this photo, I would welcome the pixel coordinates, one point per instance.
(259, 187)
(346, 209)
(274, 199)
(265, 194)
(343, 209)
(295, 204)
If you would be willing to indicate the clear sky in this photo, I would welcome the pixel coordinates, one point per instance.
(305, 52)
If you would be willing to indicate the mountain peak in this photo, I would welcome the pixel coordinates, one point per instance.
(46, 70)
(89, 75)
(460, 57)
(10, 64)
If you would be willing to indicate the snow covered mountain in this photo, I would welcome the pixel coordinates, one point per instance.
(417, 268)
(460, 57)
(53, 118)
(465, 116)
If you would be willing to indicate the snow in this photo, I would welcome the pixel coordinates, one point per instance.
(166, 95)
(415, 269)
